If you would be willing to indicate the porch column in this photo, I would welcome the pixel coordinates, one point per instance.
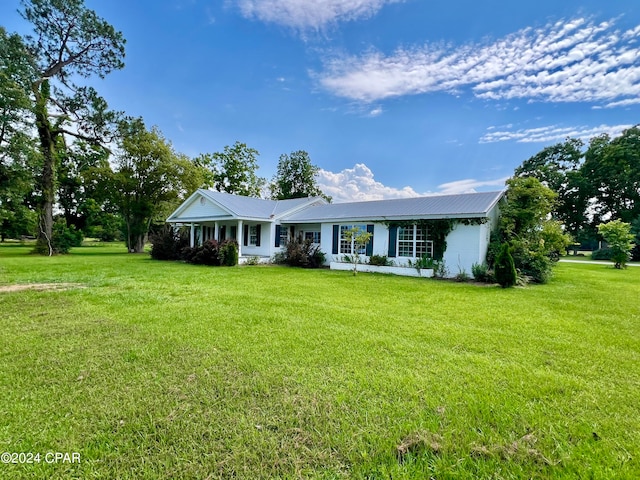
(191, 235)
(240, 239)
(216, 232)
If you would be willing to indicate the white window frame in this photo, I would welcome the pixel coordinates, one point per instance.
(344, 245)
(253, 235)
(413, 242)
(314, 235)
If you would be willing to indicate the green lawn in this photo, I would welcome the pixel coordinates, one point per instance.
(165, 370)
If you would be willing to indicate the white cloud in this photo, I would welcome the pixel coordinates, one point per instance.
(358, 184)
(470, 185)
(574, 61)
(551, 133)
(376, 112)
(310, 14)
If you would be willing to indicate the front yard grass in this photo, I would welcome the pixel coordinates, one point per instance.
(165, 370)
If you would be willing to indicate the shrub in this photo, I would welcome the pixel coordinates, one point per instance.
(168, 243)
(602, 254)
(380, 260)
(253, 260)
(481, 273)
(63, 238)
(424, 262)
(303, 253)
(505, 269)
(228, 253)
(206, 254)
(620, 239)
(462, 276)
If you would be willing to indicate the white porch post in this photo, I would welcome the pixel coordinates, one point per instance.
(191, 235)
(240, 239)
(216, 232)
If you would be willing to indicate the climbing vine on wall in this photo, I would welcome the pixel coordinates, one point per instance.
(438, 229)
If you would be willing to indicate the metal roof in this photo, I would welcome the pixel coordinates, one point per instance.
(251, 207)
(436, 206)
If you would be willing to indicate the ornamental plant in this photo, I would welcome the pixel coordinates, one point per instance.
(620, 239)
(505, 269)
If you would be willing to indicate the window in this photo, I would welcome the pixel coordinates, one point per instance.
(346, 245)
(413, 241)
(314, 237)
(253, 234)
(283, 237)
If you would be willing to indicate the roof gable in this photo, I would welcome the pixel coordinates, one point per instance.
(211, 205)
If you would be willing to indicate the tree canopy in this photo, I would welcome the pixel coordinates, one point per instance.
(150, 180)
(234, 170)
(596, 183)
(296, 178)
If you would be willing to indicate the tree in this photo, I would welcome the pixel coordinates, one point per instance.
(234, 170)
(535, 240)
(557, 167)
(70, 42)
(359, 239)
(612, 168)
(18, 154)
(620, 239)
(296, 178)
(150, 180)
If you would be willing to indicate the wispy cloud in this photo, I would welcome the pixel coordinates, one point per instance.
(358, 184)
(551, 133)
(305, 14)
(470, 185)
(567, 61)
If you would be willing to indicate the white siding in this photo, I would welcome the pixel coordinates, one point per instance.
(197, 210)
(463, 248)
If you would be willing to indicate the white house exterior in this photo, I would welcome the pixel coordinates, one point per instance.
(403, 229)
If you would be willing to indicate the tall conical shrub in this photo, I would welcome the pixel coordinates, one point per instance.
(505, 269)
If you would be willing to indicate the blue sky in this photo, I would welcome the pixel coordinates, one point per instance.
(391, 98)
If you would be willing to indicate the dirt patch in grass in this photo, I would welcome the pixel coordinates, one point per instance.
(417, 443)
(39, 286)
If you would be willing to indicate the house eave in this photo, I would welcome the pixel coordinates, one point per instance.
(385, 219)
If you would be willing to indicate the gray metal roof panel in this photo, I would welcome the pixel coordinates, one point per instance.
(252, 207)
(471, 204)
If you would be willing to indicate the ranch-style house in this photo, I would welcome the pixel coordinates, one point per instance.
(453, 228)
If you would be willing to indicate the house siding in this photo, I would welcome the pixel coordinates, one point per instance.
(463, 248)
(197, 210)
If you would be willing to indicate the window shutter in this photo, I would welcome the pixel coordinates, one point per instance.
(258, 232)
(245, 235)
(336, 239)
(278, 232)
(234, 232)
(369, 247)
(393, 237)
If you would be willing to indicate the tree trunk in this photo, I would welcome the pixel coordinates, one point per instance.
(135, 243)
(47, 180)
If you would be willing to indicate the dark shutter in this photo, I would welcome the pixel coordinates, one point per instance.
(258, 232)
(278, 232)
(245, 235)
(222, 233)
(393, 237)
(234, 232)
(292, 233)
(336, 239)
(369, 248)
